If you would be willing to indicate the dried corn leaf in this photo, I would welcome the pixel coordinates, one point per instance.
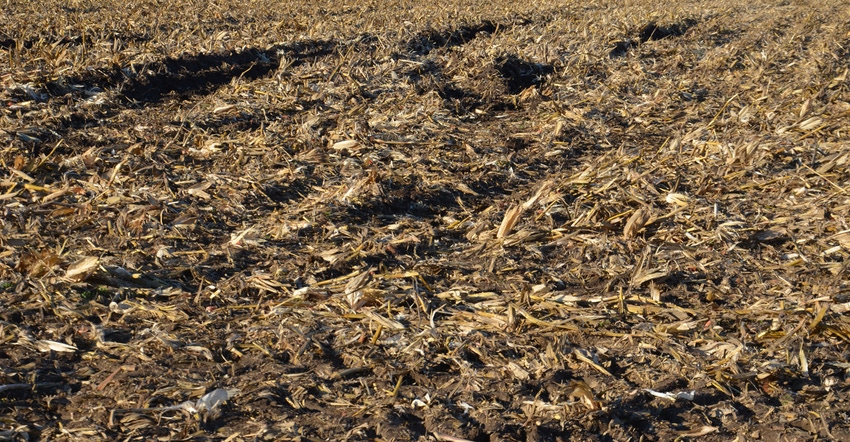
(510, 219)
(811, 123)
(82, 269)
(702, 431)
(677, 199)
(46, 345)
(648, 275)
(345, 145)
(636, 222)
(581, 392)
(359, 281)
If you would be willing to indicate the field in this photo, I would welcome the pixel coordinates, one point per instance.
(400, 220)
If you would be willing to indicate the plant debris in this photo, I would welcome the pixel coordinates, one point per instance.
(596, 220)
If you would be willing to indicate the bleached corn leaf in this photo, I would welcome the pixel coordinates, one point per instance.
(223, 109)
(387, 323)
(465, 189)
(581, 356)
(188, 406)
(534, 198)
(723, 350)
(85, 160)
(357, 188)
(512, 216)
(214, 399)
(768, 235)
(843, 239)
(205, 352)
(540, 289)
(345, 145)
(684, 395)
(418, 403)
(525, 235)
(120, 307)
(842, 308)
(46, 346)
(654, 292)
(199, 190)
(804, 109)
(28, 138)
(706, 429)
(36, 95)
(466, 407)
(636, 222)
(21, 174)
(837, 160)
(82, 269)
(648, 275)
(581, 392)
(333, 255)
(249, 236)
(358, 282)
(265, 281)
(518, 372)
(804, 362)
(9, 195)
(163, 252)
(309, 291)
(355, 299)
(677, 199)
(811, 123)
(839, 79)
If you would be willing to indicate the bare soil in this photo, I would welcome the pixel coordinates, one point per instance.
(476, 220)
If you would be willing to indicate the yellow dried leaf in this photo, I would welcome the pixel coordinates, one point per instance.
(677, 199)
(636, 222)
(62, 211)
(359, 281)
(811, 123)
(843, 239)
(82, 269)
(465, 189)
(581, 392)
(59, 347)
(804, 109)
(534, 198)
(345, 144)
(518, 372)
(697, 432)
(509, 221)
(648, 275)
(223, 109)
